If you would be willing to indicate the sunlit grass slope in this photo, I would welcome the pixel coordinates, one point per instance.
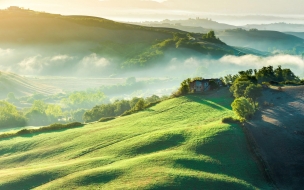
(177, 144)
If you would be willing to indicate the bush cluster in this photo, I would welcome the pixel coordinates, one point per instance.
(230, 120)
(52, 127)
(105, 119)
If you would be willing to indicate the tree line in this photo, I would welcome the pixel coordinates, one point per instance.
(246, 87)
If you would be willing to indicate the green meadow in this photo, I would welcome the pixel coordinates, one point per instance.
(179, 143)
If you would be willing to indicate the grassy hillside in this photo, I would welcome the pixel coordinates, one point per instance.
(281, 26)
(30, 27)
(298, 34)
(20, 86)
(177, 144)
(261, 40)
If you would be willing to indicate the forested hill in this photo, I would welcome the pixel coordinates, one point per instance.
(262, 40)
(124, 45)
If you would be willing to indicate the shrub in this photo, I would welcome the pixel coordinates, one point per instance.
(52, 127)
(242, 108)
(23, 132)
(140, 105)
(230, 120)
(129, 112)
(105, 119)
(152, 104)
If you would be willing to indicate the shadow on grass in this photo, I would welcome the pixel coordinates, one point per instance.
(214, 105)
(28, 133)
(163, 143)
(229, 148)
(199, 165)
(30, 182)
(98, 178)
(36, 180)
(195, 183)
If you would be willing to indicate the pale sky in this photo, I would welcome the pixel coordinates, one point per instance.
(160, 9)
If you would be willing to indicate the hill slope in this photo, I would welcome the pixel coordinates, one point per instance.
(49, 44)
(282, 27)
(177, 144)
(278, 131)
(261, 40)
(20, 86)
(298, 34)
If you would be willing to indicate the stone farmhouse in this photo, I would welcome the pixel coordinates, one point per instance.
(197, 86)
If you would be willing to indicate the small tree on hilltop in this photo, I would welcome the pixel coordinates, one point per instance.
(242, 108)
(140, 105)
(184, 87)
(210, 35)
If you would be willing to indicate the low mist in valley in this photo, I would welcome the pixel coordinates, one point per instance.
(151, 94)
(88, 69)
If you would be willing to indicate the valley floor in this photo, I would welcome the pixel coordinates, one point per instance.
(180, 143)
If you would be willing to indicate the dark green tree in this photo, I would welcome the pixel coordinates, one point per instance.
(185, 87)
(279, 74)
(266, 74)
(289, 75)
(253, 92)
(238, 88)
(140, 105)
(9, 116)
(242, 108)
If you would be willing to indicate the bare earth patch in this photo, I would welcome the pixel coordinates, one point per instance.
(278, 131)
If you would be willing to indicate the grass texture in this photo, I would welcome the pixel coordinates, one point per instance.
(180, 143)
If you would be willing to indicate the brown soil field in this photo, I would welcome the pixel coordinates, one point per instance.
(278, 134)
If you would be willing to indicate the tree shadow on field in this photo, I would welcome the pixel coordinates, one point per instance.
(206, 102)
(35, 133)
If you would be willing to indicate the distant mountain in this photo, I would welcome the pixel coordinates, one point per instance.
(21, 86)
(205, 24)
(194, 29)
(281, 27)
(261, 40)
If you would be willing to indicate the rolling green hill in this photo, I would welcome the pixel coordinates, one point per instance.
(261, 40)
(281, 26)
(177, 144)
(20, 86)
(120, 44)
(298, 34)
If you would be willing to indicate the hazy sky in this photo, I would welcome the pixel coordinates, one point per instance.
(160, 9)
